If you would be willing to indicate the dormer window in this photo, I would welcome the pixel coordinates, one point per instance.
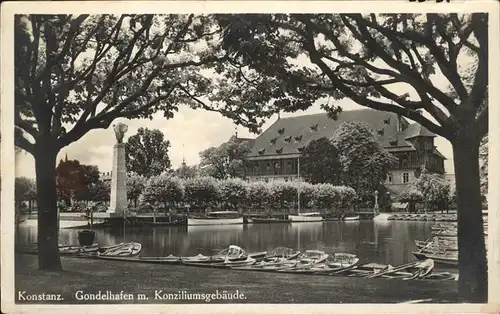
(279, 150)
(261, 151)
(380, 132)
(273, 141)
(387, 121)
(298, 138)
(288, 139)
(314, 127)
(281, 131)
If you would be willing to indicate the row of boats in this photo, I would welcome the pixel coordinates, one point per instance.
(442, 247)
(233, 217)
(279, 260)
(424, 217)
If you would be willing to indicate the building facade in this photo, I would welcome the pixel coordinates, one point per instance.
(275, 154)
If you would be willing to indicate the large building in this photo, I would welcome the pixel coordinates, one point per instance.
(275, 152)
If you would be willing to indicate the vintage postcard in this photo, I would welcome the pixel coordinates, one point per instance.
(250, 156)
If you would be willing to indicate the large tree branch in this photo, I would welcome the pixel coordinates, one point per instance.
(480, 87)
(21, 142)
(365, 101)
(53, 60)
(26, 126)
(103, 121)
(419, 83)
(411, 77)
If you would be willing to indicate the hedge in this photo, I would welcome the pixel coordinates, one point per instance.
(236, 194)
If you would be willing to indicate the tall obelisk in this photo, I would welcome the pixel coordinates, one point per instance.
(118, 198)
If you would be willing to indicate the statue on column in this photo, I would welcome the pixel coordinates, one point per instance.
(120, 130)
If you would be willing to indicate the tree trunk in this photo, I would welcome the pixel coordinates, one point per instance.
(473, 279)
(48, 231)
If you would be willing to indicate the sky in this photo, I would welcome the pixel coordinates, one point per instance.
(189, 132)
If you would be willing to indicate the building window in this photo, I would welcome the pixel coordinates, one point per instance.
(389, 178)
(406, 177)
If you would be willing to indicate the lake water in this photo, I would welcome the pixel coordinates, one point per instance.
(382, 242)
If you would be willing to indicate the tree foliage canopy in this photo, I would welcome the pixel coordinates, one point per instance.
(147, 153)
(364, 163)
(163, 189)
(363, 57)
(319, 162)
(24, 190)
(78, 73)
(74, 179)
(226, 160)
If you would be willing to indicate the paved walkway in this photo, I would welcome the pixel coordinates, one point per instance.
(92, 276)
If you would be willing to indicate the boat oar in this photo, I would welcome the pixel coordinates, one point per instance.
(393, 270)
(344, 270)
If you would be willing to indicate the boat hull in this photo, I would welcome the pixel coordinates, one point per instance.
(353, 218)
(299, 218)
(268, 220)
(222, 221)
(437, 259)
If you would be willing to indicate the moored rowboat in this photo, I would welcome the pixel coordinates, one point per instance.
(306, 217)
(127, 249)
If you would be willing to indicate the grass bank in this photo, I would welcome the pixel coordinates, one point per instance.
(92, 276)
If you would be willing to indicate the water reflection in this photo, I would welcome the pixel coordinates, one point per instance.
(387, 242)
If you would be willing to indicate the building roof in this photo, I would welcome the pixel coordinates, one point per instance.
(289, 135)
(249, 141)
(416, 130)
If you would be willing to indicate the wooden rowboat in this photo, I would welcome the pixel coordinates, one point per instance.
(281, 253)
(352, 218)
(410, 270)
(127, 249)
(448, 259)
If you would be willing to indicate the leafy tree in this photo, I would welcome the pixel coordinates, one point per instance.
(25, 190)
(201, 191)
(135, 186)
(435, 191)
(361, 57)
(147, 153)
(259, 194)
(100, 191)
(233, 193)
(284, 194)
(345, 196)
(226, 160)
(319, 162)
(412, 196)
(77, 73)
(73, 179)
(187, 172)
(324, 195)
(364, 163)
(163, 189)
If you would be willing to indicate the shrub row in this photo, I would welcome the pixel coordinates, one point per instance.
(206, 192)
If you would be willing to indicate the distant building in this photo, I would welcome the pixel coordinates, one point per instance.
(276, 151)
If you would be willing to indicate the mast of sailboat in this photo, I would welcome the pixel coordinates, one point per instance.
(298, 189)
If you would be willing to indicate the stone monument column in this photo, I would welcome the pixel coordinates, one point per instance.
(118, 197)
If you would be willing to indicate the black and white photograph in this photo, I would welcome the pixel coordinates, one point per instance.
(313, 154)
